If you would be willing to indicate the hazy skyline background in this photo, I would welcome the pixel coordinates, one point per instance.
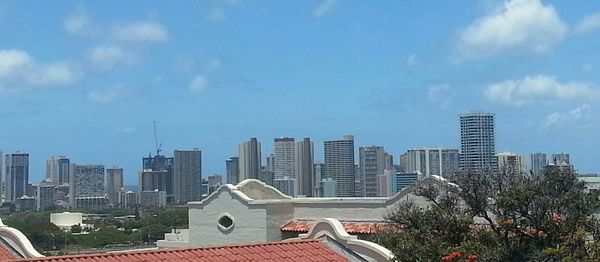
(86, 79)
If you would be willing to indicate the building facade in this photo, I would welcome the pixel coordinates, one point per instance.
(250, 159)
(17, 175)
(187, 175)
(304, 166)
(477, 142)
(372, 163)
(232, 167)
(86, 184)
(114, 183)
(57, 169)
(284, 157)
(511, 162)
(339, 165)
(433, 161)
(538, 162)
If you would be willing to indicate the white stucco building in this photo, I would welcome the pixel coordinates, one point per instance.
(255, 212)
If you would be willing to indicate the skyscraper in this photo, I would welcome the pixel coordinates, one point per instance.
(86, 182)
(157, 174)
(433, 161)
(339, 165)
(285, 156)
(187, 175)
(561, 159)
(477, 141)
(232, 165)
(372, 162)
(250, 159)
(114, 183)
(17, 175)
(304, 166)
(538, 162)
(57, 170)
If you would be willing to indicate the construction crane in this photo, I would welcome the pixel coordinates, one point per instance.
(158, 146)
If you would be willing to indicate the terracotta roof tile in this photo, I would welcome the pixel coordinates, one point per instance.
(301, 250)
(352, 227)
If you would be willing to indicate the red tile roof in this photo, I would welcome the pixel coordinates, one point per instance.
(5, 254)
(303, 226)
(302, 250)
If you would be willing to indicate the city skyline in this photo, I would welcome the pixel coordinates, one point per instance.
(88, 79)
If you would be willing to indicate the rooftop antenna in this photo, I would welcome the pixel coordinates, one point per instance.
(158, 146)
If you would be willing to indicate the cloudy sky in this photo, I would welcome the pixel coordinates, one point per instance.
(86, 79)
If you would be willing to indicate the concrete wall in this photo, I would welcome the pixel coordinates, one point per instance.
(250, 224)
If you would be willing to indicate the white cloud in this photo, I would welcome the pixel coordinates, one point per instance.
(18, 70)
(108, 56)
(198, 84)
(216, 14)
(110, 94)
(79, 23)
(412, 61)
(518, 25)
(566, 117)
(143, 31)
(540, 88)
(440, 95)
(324, 8)
(588, 23)
(12, 61)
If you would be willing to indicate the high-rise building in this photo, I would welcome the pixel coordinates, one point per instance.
(372, 163)
(285, 185)
(538, 162)
(510, 162)
(389, 161)
(45, 196)
(157, 174)
(232, 166)
(403, 163)
(433, 161)
(17, 175)
(285, 157)
(477, 142)
(187, 175)
(339, 165)
(319, 175)
(114, 183)
(57, 170)
(86, 184)
(304, 167)
(271, 163)
(561, 159)
(249, 161)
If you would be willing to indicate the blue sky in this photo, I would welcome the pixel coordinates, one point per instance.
(86, 79)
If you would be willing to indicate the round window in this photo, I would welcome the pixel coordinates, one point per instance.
(225, 222)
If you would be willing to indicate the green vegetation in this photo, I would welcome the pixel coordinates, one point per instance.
(109, 231)
(518, 217)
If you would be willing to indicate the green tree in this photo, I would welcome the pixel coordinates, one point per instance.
(498, 216)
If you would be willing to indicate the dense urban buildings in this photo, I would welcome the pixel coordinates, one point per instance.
(17, 175)
(433, 161)
(339, 165)
(249, 160)
(157, 174)
(372, 163)
(304, 168)
(57, 170)
(477, 142)
(187, 175)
